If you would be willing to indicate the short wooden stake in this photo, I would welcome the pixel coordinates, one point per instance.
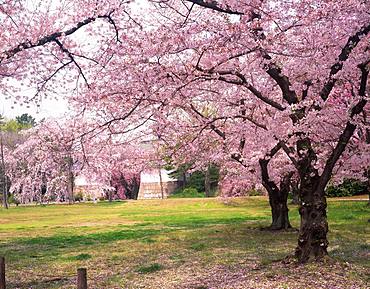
(2, 273)
(81, 278)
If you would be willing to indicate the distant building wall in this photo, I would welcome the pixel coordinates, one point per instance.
(150, 186)
(90, 190)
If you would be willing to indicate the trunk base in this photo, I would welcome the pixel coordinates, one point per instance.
(312, 239)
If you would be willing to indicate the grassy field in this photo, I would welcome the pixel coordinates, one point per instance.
(177, 243)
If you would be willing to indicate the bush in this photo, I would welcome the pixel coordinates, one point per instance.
(187, 193)
(13, 200)
(196, 179)
(255, 192)
(78, 197)
(349, 187)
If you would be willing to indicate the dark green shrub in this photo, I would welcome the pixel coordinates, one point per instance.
(349, 187)
(255, 192)
(187, 193)
(13, 200)
(196, 179)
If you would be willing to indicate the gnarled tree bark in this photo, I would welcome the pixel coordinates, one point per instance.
(312, 239)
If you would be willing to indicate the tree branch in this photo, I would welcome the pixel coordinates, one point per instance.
(289, 152)
(274, 71)
(347, 132)
(242, 81)
(213, 5)
(269, 185)
(343, 56)
(65, 50)
(51, 37)
(212, 126)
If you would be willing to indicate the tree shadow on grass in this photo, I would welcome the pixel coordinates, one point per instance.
(50, 246)
(60, 241)
(192, 222)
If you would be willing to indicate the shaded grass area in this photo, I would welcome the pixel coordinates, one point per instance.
(123, 242)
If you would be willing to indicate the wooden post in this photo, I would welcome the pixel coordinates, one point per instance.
(2, 273)
(81, 278)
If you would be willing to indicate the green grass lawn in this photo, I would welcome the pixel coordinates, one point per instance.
(176, 243)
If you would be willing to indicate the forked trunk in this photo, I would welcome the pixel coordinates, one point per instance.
(279, 209)
(277, 198)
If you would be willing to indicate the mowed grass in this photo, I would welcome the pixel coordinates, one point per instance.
(145, 244)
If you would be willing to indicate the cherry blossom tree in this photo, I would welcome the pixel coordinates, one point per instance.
(10, 136)
(46, 164)
(293, 74)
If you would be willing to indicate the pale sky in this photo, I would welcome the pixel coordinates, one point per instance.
(54, 108)
(49, 107)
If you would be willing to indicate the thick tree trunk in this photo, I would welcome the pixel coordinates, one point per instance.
(5, 195)
(312, 239)
(207, 182)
